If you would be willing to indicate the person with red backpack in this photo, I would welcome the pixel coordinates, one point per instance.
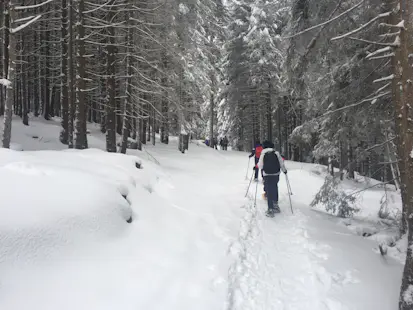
(271, 164)
(256, 151)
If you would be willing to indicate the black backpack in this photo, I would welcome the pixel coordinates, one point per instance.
(271, 163)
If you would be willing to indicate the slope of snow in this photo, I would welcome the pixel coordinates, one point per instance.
(195, 242)
(306, 260)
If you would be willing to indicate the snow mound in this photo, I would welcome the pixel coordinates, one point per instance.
(52, 200)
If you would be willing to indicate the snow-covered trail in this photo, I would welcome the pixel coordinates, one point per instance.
(205, 198)
(306, 261)
(195, 242)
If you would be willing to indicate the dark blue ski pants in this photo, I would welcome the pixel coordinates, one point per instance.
(271, 188)
(256, 169)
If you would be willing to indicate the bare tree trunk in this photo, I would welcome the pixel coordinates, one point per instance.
(111, 84)
(153, 126)
(11, 77)
(128, 99)
(402, 99)
(71, 77)
(80, 120)
(6, 37)
(2, 35)
(64, 136)
(395, 175)
(269, 112)
(24, 96)
(211, 120)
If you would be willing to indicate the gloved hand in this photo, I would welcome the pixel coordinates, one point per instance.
(253, 168)
(285, 171)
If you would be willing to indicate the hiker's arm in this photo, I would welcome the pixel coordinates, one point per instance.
(260, 164)
(282, 166)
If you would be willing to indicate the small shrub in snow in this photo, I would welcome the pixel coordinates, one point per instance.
(388, 213)
(335, 200)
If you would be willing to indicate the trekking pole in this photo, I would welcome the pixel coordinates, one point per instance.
(255, 199)
(289, 194)
(288, 185)
(246, 175)
(249, 185)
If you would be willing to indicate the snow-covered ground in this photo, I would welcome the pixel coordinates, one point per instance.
(67, 240)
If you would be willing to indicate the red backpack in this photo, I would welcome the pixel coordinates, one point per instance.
(258, 151)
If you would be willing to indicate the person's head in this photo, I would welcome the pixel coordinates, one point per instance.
(268, 144)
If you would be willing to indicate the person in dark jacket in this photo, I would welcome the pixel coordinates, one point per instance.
(256, 152)
(225, 143)
(271, 164)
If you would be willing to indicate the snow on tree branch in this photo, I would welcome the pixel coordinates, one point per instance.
(24, 19)
(5, 82)
(380, 51)
(21, 27)
(34, 6)
(362, 26)
(326, 22)
(371, 99)
(382, 88)
(394, 44)
(383, 56)
(384, 79)
(399, 25)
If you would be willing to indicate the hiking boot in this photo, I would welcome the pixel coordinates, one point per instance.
(276, 208)
(270, 213)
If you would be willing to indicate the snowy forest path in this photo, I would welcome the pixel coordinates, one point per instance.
(304, 261)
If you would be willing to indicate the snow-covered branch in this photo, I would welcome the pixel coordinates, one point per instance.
(5, 82)
(383, 56)
(23, 19)
(34, 6)
(384, 79)
(361, 27)
(380, 51)
(389, 35)
(326, 22)
(21, 27)
(382, 88)
(399, 25)
(394, 44)
(371, 99)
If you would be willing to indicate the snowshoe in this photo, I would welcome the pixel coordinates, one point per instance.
(269, 213)
(276, 208)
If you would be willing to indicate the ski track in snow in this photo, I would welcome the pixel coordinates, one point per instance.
(277, 265)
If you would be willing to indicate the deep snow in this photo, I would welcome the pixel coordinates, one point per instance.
(195, 242)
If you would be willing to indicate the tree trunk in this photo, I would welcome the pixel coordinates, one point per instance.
(111, 84)
(11, 77)
(128, 100)
(64, 137)
(402, 100)
(5, 60)
(71, 76)
(269, 112)
(211, 120)
(80, 120)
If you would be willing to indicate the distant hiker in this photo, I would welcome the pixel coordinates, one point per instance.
(225, 143)
(215, 143)
(271, 164)
(256, 151)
